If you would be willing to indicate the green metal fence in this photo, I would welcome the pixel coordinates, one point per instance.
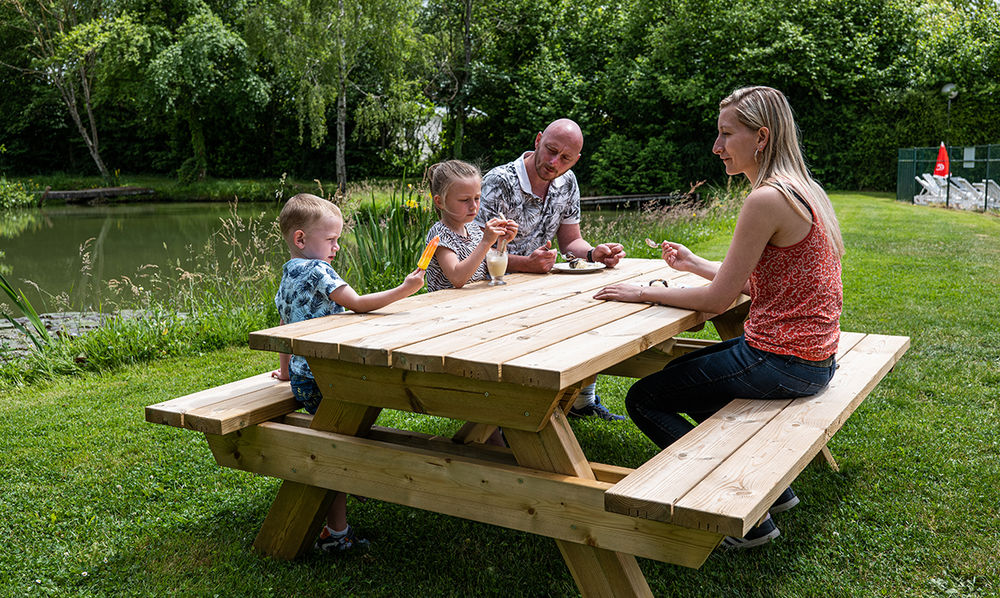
(978, 164)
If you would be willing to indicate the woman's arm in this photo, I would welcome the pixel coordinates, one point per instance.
(765, 211)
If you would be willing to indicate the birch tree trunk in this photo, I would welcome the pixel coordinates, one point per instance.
(341, 102)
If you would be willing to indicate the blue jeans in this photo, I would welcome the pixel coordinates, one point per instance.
(306, 391)
(704, 381)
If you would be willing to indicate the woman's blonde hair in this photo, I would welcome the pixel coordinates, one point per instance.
(442, 175)
(781, 164)
(302, 210)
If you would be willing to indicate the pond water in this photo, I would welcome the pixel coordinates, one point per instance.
(44, 246)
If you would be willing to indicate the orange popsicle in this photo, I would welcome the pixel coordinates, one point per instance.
(425, 257)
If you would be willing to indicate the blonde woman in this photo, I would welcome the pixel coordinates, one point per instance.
(785, 254)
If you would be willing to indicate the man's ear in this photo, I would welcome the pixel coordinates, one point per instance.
(538, 139)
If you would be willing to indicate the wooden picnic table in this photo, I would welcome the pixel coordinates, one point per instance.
(514, 356)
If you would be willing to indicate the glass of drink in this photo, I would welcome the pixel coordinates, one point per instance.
(496, 264)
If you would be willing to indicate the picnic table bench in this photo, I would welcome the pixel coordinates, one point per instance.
(517, 356)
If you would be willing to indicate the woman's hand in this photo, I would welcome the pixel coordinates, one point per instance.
(623, 291)
(678, 256)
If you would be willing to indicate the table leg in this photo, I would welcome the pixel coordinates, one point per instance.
(730, 324)
(472, 432)
(597, 572)
(297, 512)
(826, 457)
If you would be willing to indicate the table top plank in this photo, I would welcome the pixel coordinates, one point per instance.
(485, 361)
(372, 342)
(433, 353)
(600, 348)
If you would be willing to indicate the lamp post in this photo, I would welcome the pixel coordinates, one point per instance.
(949, 91)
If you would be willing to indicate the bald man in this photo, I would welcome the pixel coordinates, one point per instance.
(539, 192)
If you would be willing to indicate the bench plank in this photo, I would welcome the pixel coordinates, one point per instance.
(228, 407)
(736, 495)
(724, 475)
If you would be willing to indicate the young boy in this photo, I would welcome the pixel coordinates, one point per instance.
(311, 288)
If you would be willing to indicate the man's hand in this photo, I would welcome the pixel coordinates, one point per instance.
(540, 261)
(609, 254)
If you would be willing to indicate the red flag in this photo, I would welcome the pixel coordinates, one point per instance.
(941, 168)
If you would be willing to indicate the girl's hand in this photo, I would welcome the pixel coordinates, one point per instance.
(678, 256)
(495, 229)
(628, 293)
(511, 230)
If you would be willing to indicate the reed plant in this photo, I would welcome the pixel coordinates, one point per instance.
(37, 334)
(386, 239)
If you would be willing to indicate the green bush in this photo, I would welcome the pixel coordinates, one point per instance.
(15, 194)
(624, 166)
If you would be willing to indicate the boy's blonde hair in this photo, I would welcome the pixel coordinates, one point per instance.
(442, 175)
(302, 210)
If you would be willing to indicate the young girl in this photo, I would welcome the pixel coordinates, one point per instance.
(461, 252)
(785, 254)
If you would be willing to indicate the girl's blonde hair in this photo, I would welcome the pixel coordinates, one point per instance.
(442, 175)
(781, 164)
(302, 210)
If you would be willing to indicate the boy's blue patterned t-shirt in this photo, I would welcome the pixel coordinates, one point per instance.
(304, 294)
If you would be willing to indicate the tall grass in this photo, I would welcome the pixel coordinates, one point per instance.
(38, 335)
(691, 222)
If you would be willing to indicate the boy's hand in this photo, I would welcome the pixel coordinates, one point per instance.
(413, 281)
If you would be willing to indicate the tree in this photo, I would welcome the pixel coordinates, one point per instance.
(207, 66)
(451, 38)
(66, 41)
(326, 45)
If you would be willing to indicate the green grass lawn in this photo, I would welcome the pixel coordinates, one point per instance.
(96, 502)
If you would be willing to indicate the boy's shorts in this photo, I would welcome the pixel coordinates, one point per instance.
(306, 391)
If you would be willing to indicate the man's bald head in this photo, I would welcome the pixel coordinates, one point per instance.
(567, 129)
(557, 148)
